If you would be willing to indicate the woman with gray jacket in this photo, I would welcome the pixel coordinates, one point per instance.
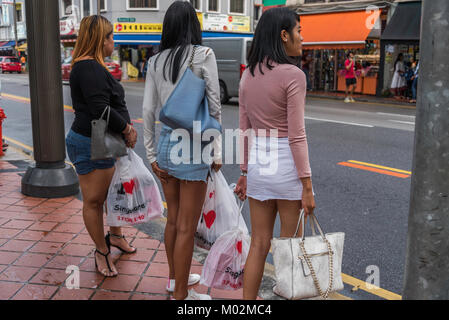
(184, 183)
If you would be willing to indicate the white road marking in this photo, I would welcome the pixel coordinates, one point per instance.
(395, 115)
(341, 122)
(403, 122)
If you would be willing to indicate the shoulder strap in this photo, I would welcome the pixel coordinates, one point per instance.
(191, 58)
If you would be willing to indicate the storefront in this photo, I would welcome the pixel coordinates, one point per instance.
(402, 35)
(328, 37)
(7, 48)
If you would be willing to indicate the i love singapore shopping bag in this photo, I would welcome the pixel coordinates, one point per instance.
(133, 195)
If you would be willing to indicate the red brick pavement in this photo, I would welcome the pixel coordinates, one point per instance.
(39, 238)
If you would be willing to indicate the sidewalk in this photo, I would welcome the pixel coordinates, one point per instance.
(40, 238)
(360, 98)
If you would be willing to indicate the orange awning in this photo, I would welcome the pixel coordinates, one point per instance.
(337, 30)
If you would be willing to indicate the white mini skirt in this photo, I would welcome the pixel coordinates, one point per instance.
(272, 171)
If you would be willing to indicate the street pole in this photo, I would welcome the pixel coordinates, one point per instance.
(427, 262)
(99, 7)
(15, 29)
(50, 177)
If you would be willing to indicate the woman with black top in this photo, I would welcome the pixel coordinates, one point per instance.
(93, 89)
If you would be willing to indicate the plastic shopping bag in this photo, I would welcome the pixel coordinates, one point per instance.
(225, 263)
(220, 212)
(133, 196)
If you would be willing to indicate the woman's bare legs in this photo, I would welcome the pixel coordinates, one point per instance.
(289, 213)
(191, 199)
(171, 192)
(94, 188)
(263, 216)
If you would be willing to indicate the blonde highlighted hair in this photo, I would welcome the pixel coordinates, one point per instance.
(94, 30)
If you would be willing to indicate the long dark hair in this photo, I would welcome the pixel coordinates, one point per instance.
(267, 44)
(181, 28)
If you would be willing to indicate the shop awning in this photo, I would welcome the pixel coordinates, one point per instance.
(155, 38)
(337, 30)
(23, 47)
(405, 25)
(8, 45)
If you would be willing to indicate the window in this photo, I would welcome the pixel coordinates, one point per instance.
(103, 7)
(86, 8)
(196, 4)
(19, 13)
(237, 6)
(213, 6)
(142, 5)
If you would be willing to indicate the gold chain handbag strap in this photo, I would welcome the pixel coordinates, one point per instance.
(324, 295)
(191, 58)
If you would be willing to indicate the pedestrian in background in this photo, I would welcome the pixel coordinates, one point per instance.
(415, 84)
(272, 96)
(409, 73)
(184, 185)
(93, 89)
(399, 84)
(351, 79)
(305, 67)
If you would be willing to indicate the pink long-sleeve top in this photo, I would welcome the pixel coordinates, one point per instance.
(276, 100)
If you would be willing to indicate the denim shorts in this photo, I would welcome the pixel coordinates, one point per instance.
(187, 170)
(78, 150)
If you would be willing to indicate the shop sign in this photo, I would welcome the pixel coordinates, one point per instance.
(224, 22)
(138, 27)
(126, 20)
(67, 26)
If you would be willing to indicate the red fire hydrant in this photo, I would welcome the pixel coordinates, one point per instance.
(2, 117)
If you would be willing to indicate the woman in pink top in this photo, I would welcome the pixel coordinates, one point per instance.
(272, 103)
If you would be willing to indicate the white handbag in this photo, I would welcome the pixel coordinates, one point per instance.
(304, 266)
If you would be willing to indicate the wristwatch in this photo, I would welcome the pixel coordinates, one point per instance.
(244, 174)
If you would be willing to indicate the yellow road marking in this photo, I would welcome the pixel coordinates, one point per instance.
(28, 100)
(20, 144)
(356, 283)
(26, 147)
(380, 167)
(362, 285)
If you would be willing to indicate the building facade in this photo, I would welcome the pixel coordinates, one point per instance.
(376, 31)
(138, 23)
(7, 28)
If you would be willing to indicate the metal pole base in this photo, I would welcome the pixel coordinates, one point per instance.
(51, 183)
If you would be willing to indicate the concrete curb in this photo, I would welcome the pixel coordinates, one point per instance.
(366, 100)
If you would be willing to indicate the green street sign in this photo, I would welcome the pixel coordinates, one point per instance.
(126, 19)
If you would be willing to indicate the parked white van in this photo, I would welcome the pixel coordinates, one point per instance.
(231, 54)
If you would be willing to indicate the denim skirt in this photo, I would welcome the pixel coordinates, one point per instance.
(184, 163)
(78, 150)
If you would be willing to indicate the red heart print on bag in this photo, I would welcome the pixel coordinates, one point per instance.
(129, 186)
(239, 246)
(211, 195)
(209, 218)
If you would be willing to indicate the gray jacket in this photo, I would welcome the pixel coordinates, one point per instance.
(158, 90)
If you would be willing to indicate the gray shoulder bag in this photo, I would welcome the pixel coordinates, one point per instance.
(106, 144)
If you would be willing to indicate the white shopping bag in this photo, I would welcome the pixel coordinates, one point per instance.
(133, 196)
(220, 212)
(225, 263)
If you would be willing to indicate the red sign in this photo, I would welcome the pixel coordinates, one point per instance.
(230, 18)
(119, 27)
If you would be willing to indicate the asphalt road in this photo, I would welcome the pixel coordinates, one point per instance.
(370, 207)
